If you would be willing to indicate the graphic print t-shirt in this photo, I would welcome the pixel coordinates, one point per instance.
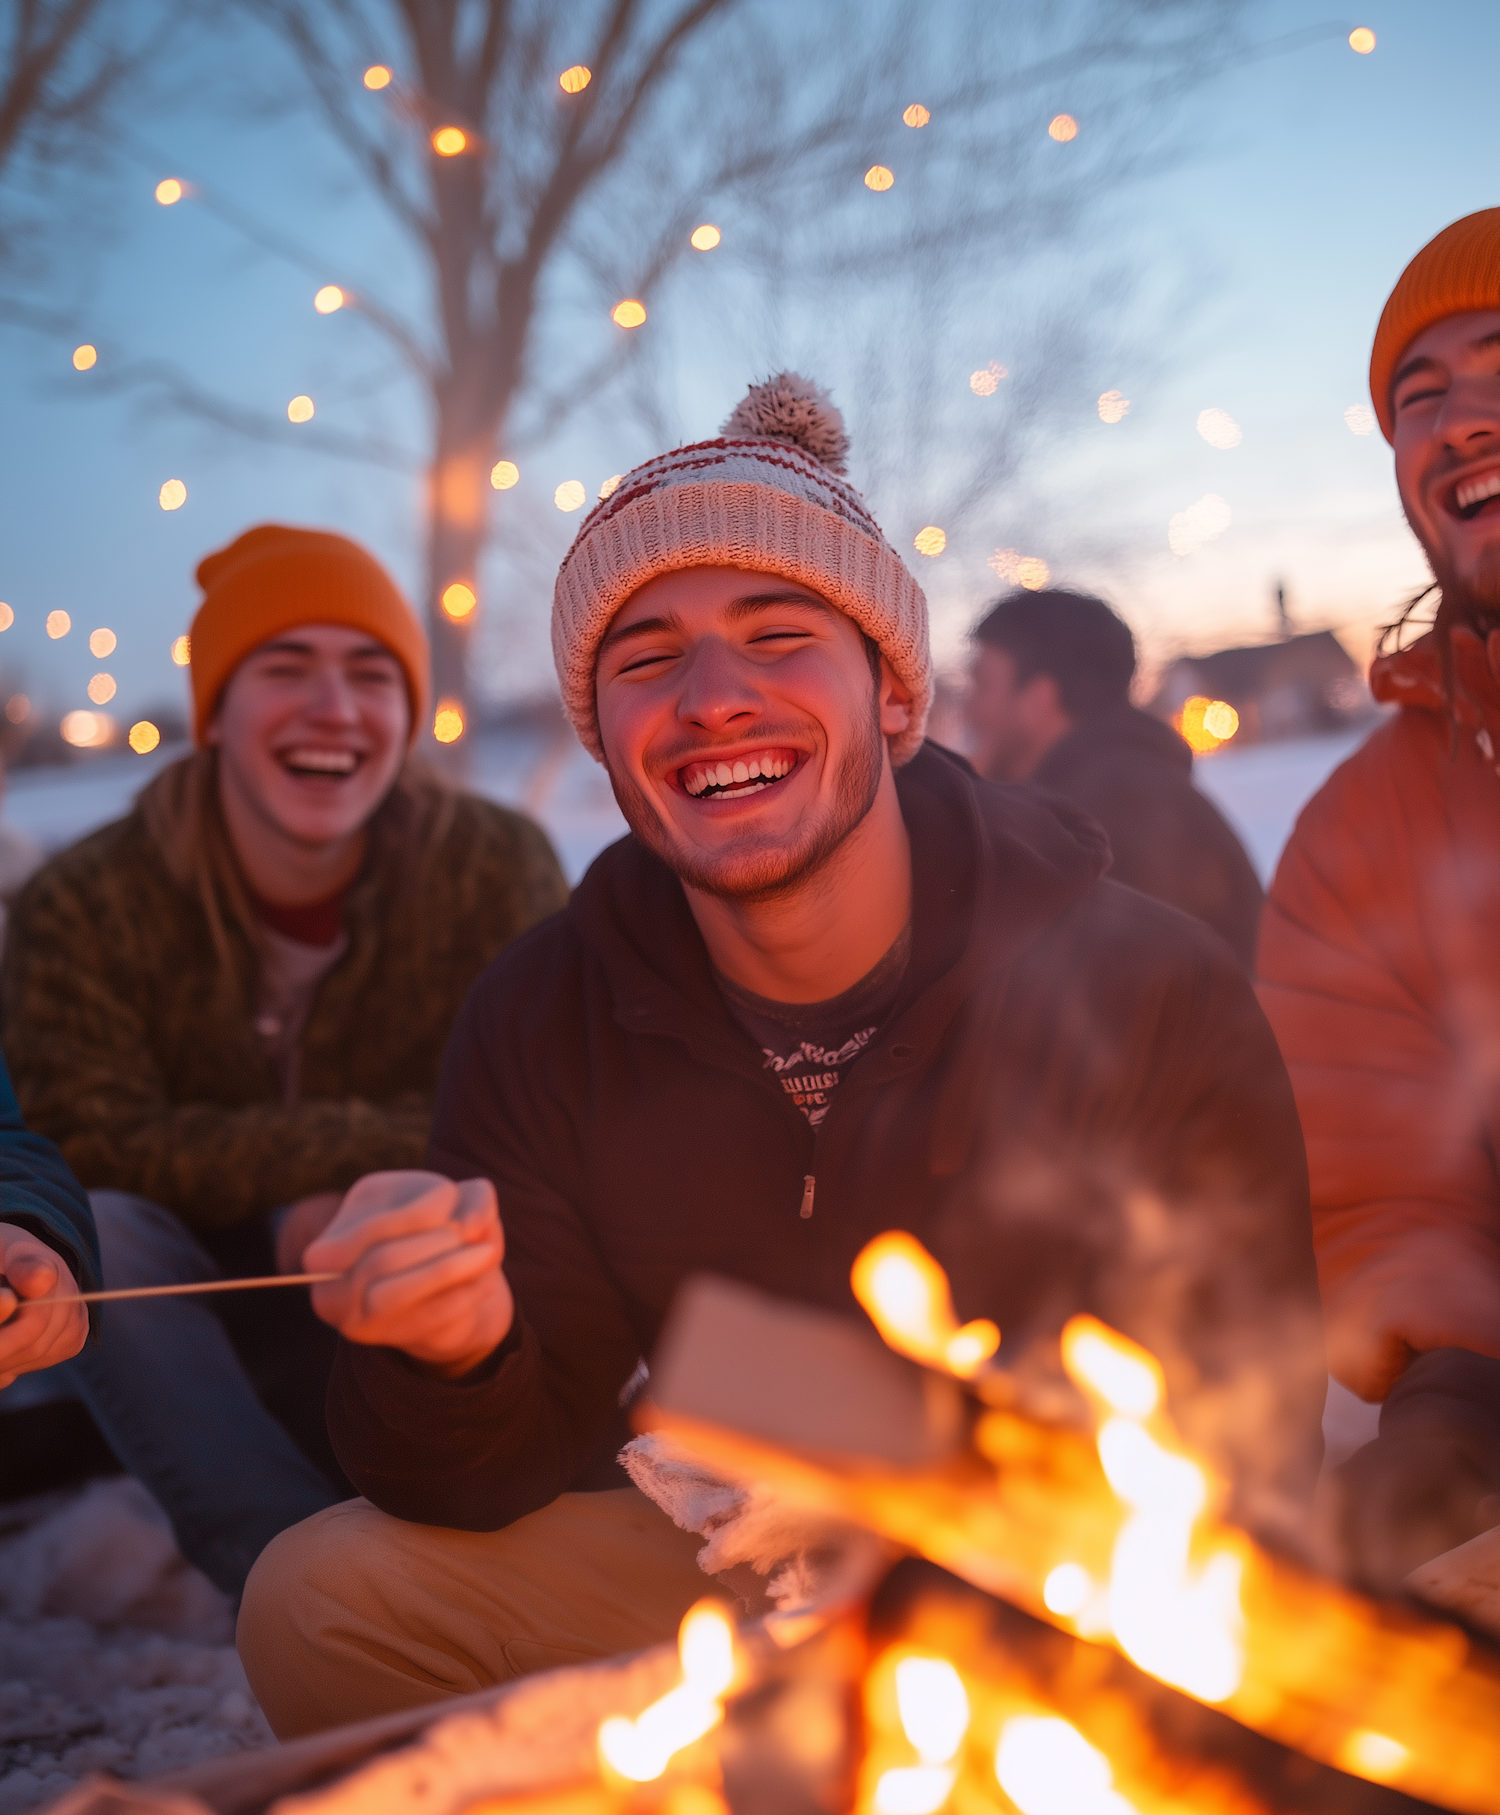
(811, 1045)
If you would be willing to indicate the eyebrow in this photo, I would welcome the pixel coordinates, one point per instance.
(1423, 361)
(290, 646)
(736, 609)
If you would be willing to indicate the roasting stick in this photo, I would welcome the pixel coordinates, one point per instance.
(174, 1291)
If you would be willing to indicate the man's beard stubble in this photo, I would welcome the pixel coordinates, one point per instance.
(1467, 599)
(758, 868)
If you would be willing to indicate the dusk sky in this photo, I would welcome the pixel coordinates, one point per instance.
(1306, 180)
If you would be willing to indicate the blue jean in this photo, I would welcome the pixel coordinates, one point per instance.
(173, 1398)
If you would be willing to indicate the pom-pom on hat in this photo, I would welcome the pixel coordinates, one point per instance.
(1455, 274)
(274, 578)
(768, 496)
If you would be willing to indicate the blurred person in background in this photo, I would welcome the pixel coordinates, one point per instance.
(1380, 957)
(228, 1006)
(1049, 703)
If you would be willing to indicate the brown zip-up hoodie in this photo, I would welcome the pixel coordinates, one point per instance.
(132, 1044)
(1075, 1102)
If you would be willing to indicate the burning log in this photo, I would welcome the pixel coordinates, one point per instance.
(1108, 1534)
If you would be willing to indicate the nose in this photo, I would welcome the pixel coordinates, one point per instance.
(1470, 414)
(720, 688)
(332, 698)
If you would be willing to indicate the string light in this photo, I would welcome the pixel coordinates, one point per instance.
(377, 76)
(144, 737)
(329, 298)
(86, 730)
(930, 541)
(449, 141)
(1362, 39)
(877, 177)
(504, 474)
(1359, 419)
(169, 190)
(18, 708)
(300, 409)
(1062, 128)
(101, 689)
(1114, 406)
(610, 486)
(570, 495)
(1219, 429)
(7, 617)
(58, 624)
(173, 495)
(573, 81)
(704, 238)
(85, 357)
(102, 643)
(628, 314)
(448, 722)
(182, 651)
(916, 115)
(459, 600)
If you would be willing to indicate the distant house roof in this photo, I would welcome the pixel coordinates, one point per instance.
(1297, 687)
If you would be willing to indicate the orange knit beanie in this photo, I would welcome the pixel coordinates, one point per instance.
(274, 578)
(1454, 274)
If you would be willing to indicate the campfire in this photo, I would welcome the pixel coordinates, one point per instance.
(1075, 1630)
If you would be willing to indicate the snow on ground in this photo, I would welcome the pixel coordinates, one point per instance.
(115, 1654)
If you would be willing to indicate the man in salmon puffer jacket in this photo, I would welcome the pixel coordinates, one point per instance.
(1380, 957)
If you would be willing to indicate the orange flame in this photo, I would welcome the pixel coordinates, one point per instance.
(906, 1294)
(641, 1749)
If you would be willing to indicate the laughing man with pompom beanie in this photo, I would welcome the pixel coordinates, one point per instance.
(831, 984)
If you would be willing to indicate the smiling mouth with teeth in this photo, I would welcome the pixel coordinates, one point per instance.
(744, 775)
(1471, 497)
(332, 765)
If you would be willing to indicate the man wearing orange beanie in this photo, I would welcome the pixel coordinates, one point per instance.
(228, 1006)
(1381, 963)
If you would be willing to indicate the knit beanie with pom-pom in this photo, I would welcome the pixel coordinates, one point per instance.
(769, 496)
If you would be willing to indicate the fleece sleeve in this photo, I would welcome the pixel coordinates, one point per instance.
(38, 1192)
(481, 1452)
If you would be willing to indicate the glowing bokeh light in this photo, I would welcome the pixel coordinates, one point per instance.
(906, 1294)
(448, 722)
(458, 601)
(85, 357)
(933, 1705)
(7, 617)
(18, 708)
(377, 76)
(173, 495)
(610, 486)
(182, 651)
(1362, 39)
(86, 730)
(449, 141)
(143, 737)
(102, 643)
(573, 81)
(329, 298)
(1125, 1376)
(704, 238)
(930, 541)
(1114, 406)
(628, 314)
(58, 624)
(570, 495)
(1062, 128)
(913, 1790)
(169, 190)
(1030, 571)
(1189, 529)
(877, 177)
(1219, 429)
(504, 474)
(986, 381)
(102, 689)
(1204, 724)
(1359, 419)
(300, 409)
(916, 115)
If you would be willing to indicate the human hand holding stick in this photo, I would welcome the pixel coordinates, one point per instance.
(35, 1277)
(418, 1259)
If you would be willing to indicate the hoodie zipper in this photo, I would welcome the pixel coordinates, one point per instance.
(809, 1186)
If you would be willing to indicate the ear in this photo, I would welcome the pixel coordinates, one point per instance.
(895, 702)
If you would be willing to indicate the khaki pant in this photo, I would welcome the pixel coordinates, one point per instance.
(353, 1613)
